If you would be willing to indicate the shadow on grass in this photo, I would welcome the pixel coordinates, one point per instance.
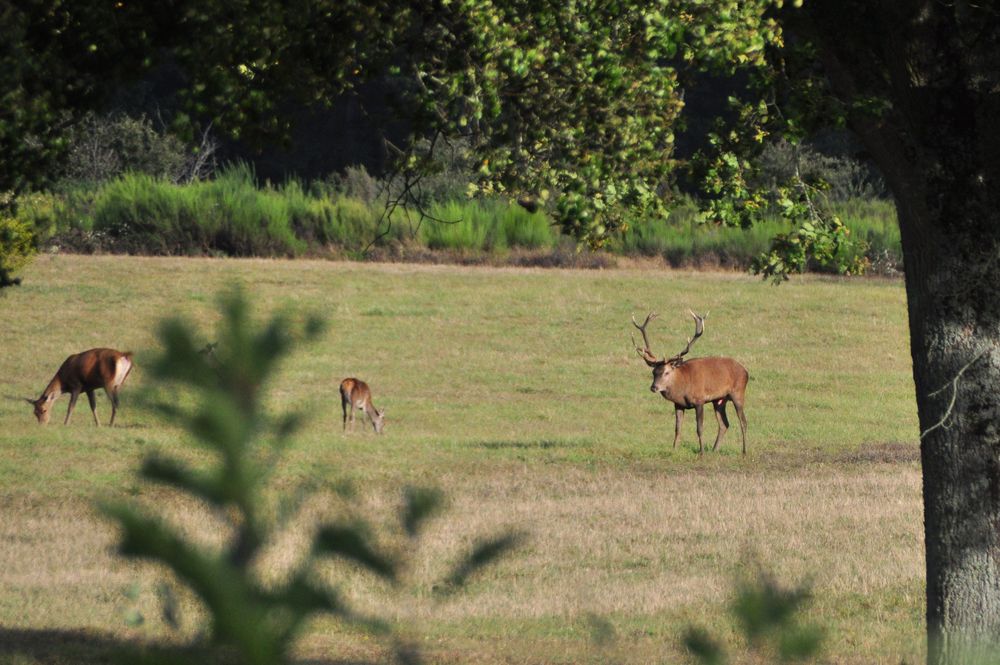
(526, 445)
(57, 647)
(81, 647)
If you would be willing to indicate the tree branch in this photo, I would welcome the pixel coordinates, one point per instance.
(954, 395)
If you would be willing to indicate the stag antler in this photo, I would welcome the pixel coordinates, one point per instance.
(699, 328)
(646, 354)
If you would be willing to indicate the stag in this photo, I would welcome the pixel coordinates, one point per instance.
(690, 384)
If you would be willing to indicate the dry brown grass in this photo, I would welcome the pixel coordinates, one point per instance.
(648, 552)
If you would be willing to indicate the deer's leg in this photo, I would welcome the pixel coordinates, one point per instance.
(678, 419)
(72, 402)
(743, 423)
(343, 408)
(93, 406)
(699, 417)
(720, 415)
(112, 394)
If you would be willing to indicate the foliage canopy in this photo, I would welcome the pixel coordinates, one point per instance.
(574, 106)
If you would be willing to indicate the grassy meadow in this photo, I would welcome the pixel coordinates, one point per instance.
(517, 391)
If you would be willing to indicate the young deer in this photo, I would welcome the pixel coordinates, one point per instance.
(355, 392)
(690, 384)
(84, 373)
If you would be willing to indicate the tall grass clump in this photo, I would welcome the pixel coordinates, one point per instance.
(681, 239)
(145, 214)
(528, 230)
(250, 221)
(460, 226)
(485, 226)
(228, 215)
(874, 222)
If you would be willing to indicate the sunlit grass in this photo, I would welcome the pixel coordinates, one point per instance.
(519, 393)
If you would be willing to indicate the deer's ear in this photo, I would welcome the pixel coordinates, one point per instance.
(29, 401)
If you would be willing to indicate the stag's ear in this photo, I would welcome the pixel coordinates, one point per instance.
(29, 400)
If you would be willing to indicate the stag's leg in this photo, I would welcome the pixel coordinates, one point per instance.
(743, 422)
(343, 408)
(678, 419)
(72, 402)
(699, 417)
(720, 415)
(93, 406)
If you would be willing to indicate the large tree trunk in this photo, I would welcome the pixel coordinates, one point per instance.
(953, 295)
(938, 64)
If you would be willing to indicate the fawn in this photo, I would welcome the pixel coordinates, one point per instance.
(355, 392)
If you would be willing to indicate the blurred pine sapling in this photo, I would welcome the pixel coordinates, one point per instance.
(251, 622)
(768, 616)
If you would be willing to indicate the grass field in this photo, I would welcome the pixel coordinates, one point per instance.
(518, 392)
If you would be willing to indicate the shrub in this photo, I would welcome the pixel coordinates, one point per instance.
(356, 183)
(17, 246)
(105, 147)
(847, 178)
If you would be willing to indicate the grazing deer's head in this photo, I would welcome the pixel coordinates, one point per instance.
(664, 367)
(43, 407)
(378, 419)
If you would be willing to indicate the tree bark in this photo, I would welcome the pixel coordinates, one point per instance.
(954, 315)
(938, 144)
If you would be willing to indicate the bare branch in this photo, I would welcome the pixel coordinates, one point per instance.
(954, 395)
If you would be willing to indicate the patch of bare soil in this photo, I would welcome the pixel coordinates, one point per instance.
(881, 453)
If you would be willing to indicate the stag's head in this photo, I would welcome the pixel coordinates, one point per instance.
(663, 368)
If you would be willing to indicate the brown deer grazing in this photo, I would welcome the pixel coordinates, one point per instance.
(355, 392)
(84, 373)
(690, 384)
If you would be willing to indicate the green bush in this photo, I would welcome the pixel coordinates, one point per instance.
(17, 246)
(106, 147)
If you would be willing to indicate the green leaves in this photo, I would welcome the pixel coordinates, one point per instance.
(580, 99)
(767, 614)
(257, 623)
(485, 552)
(17, 246)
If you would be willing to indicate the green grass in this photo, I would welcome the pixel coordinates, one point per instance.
(519, 393)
